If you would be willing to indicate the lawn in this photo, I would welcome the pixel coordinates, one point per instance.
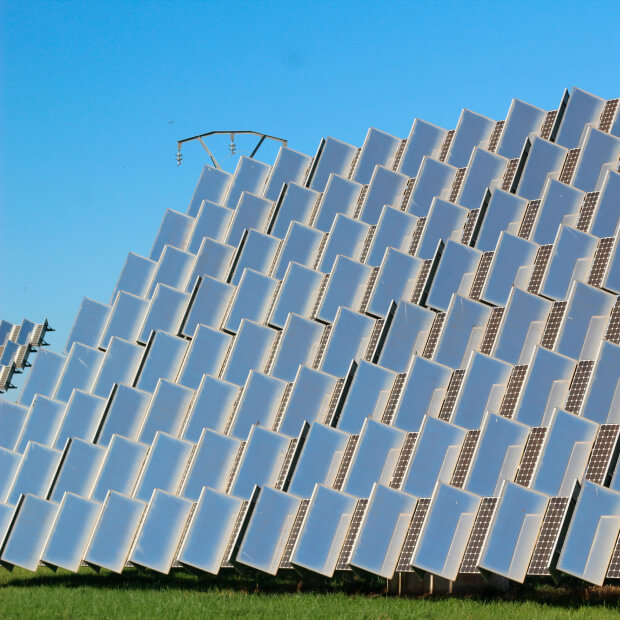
(46, 594)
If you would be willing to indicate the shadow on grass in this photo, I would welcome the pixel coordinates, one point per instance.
(572, 594)
(133, 579)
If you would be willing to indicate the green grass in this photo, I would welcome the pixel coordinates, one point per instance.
(46, 594)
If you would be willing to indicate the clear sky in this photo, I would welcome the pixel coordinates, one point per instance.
(94, 95)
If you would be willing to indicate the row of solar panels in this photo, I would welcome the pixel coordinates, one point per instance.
(352, 255)
(17, 343)
(381, 501)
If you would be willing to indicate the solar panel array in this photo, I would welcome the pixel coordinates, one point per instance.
(17, 344)
(400, 357)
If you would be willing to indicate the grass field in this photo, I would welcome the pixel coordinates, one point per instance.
(46, 594)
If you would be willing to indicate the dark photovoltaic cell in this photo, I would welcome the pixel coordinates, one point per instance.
(547, 543)
(285, 562)
(282, 408)
(334, 402)
(484, 516)
(351, 537)
(354, 163)
(513, 390)
(417, 234)
(608, 115)
(420, 283)
(273, 352)
(399, 154)
(481, 275)
(345, 462)
(552, 327)
(315, 209)
(390, 407)
(236, 534)
(461, 469)
(604, 454)
(372, 278)
(600, 261)
(445, 147)
(578, 386)
(490, 333)
(456, 185)
(452, 393)
(285, 470)
(276, 259)
(547, 126)
(407, 194)
(404, 459)
(413, 534)
(496, 135)
(470, 225)
(367, 243)
(568, 170)
(529, 217)
(508, 179)
(319, 295)
(229, 423)
(540, 266)
(322, 346)
(433, 336)
(374, 342)
(320, 250)
(274, 299)
(235, 467)
(613, 570)
(587, 211)
(531, 454)
(360, 201)
(613, 329)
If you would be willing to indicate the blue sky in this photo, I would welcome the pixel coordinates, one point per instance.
(94, 96)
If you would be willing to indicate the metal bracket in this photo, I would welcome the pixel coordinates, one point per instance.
(262, 137)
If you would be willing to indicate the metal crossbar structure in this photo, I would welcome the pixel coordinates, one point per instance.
(395, 358)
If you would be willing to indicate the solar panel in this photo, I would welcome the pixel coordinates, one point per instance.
(320, 539)
(285, 561)
(404, 459)
(210, 528)
(490, 335)
(267, 531)
(443, 539)
(552, 531)
(30, 528)
(114, 532)
(373, 552)
(465, 458)
(481, 275)
(434, 457)
(548, 123)
(495, 136)
(604, 455)
(352, 533)
(478, 535)
(512, 537)
(452, 393)
(531, 456)
(386, 188)
(445, 147)
(592, 534)
(529, 217)
(600, 261)
(540, 265)
(413, 534)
